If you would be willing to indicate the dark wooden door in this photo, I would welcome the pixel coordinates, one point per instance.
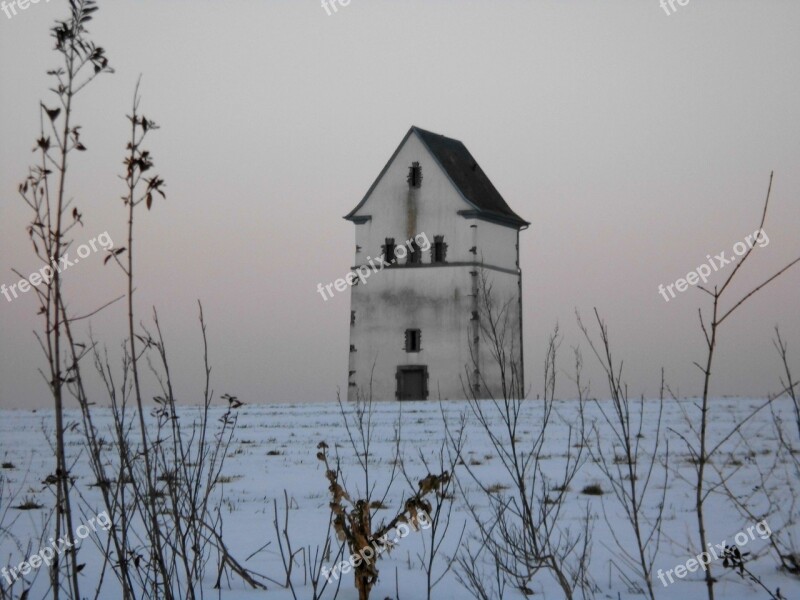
(411, 384)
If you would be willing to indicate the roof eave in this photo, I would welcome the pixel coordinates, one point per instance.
(493, 217)
(358, 219)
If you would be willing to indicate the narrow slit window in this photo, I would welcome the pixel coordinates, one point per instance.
(439, 249)
(388, 251)
(414, 175)
(414, 253)
(413, 340)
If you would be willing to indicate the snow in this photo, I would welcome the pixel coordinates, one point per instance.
(275, 448)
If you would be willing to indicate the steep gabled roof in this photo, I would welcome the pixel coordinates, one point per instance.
(465, 174)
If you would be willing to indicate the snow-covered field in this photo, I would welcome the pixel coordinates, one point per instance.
(275, 449)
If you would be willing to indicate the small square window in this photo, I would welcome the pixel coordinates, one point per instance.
(413, 340)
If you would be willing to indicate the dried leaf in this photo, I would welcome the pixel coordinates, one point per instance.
(52, 113)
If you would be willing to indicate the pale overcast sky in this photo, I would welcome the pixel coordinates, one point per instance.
(634, 141)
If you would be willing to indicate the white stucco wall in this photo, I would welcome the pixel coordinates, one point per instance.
(497, 245)
(432, 212)
(437, 299)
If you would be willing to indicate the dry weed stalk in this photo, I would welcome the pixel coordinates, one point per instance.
(352, 519)
(630, 468)
(700, 448)
(523, 534)
(44, 190)
(441, 516)
(158, 491)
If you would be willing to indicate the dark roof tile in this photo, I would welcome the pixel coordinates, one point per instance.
(467, 175)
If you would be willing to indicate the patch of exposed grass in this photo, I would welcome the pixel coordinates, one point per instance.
(228, 478)
(28, 503)
(496, 488)
(593, 489)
